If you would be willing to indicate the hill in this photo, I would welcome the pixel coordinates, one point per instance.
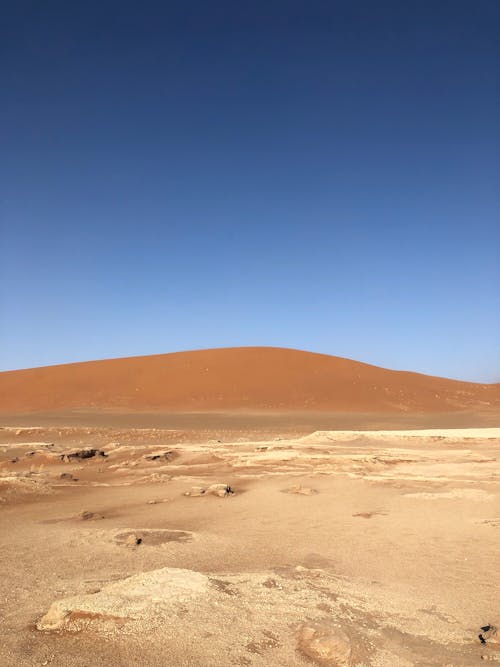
(252, 378)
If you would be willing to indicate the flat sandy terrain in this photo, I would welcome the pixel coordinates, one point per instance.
(340, 545)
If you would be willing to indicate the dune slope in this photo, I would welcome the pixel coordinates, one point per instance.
(238, 378)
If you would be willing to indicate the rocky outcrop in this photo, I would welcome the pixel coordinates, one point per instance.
(324, 644)
(220, 490)
(142, 596)
(85, 453)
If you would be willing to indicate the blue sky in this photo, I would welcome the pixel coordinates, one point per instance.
(316, 175)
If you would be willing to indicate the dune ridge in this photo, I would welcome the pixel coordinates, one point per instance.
(252, 378)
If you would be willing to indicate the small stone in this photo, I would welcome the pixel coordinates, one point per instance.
(157, 456)
(87, 516)
(489, 633)
(324, 644)
(220, 490)
(195, 492)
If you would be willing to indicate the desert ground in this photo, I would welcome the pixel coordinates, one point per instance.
(249, 537)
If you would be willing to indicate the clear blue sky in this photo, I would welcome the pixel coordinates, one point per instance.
(316, 175)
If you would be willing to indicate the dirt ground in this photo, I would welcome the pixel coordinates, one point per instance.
(283, 539)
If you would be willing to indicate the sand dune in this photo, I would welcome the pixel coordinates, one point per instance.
(238, 378)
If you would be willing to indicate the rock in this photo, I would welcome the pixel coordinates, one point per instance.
(133, 541)
(195, 492)
(85, 453)
(54, 618)
(86, 515)
(157, 456)
(220, 490)
(143, 596)
(324, 644)
(489, 633)
(66, 475)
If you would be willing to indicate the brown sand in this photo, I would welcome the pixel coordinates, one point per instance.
(238, 378)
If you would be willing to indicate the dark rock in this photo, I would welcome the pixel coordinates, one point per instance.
(87, 516)
(489, 633)
(86, 453)
(160, 456)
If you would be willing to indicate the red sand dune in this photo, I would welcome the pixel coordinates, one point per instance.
(255, 378)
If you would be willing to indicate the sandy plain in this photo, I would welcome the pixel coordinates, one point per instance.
(338, 546)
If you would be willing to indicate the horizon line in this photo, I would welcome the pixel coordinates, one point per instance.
(243, 347)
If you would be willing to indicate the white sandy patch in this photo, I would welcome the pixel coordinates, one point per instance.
(445, 433)
(31, 445)
(477, 495)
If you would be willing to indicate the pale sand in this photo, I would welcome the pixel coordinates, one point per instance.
(388, 540)
(448, 434)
